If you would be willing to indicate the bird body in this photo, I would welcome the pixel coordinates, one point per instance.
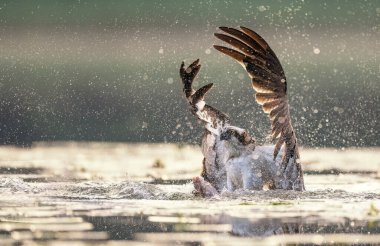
(232, 159)
(253, 170)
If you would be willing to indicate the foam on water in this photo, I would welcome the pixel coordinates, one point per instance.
(141, 190)
(97, 189)
(15, 185)
(126, 190)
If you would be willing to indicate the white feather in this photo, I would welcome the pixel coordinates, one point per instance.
(212, 130)
(200, 105)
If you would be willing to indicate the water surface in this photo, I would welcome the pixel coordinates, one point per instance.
(103, 193)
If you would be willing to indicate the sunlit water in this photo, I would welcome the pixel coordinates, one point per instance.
(102, 193)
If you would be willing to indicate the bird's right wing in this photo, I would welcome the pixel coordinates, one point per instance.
(268, 80)
(215, 120)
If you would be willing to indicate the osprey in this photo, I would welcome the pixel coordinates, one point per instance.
(232, 159)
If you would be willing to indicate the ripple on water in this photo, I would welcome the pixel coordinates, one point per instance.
(141, 190)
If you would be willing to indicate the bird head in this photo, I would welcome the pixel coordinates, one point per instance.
(237, 137)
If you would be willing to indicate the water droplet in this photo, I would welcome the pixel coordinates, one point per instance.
(262, 8)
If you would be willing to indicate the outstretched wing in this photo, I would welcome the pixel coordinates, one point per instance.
(268, 80)
(214, 118)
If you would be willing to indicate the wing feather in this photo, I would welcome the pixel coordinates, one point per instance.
(279, 110)
(278, 145)
(266, 86)
(275, 133)
(200, 93)
(250, 51)
(245, 38)
(268, 80)
(269, 106)
(270, 54)
(262, 98)
(232, 53)
(257, 44)
(255, 70)
(262, 87)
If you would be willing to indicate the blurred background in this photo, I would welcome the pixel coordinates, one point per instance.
(91, 70)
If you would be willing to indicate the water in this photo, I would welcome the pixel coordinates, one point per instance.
(109, 194)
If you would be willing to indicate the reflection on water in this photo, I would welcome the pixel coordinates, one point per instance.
(102, 223)
(125, 227)
(79, 200)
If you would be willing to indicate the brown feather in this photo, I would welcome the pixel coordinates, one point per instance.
(279, 117)
(256, 37)
(271, 62)
(277, 124)
(255, 61)
(231, 53)
(236, 43)
(245, 38)
(289, 153)
(269, 106)
(259, 71)
(277, 147)
(277, 110)
(261, 87)
(283, 126)
(262, 98)
(276, 133)
(199, 94)
(268, 86)
(288, 131)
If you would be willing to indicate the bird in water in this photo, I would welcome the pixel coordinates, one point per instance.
(232, 158)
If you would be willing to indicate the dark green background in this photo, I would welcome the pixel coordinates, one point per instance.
(108, 70)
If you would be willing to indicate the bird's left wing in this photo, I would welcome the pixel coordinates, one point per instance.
(268, 80)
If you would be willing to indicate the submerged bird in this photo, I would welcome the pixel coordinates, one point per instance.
(232, 159)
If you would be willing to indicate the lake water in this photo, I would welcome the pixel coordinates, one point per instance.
(110, 193)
